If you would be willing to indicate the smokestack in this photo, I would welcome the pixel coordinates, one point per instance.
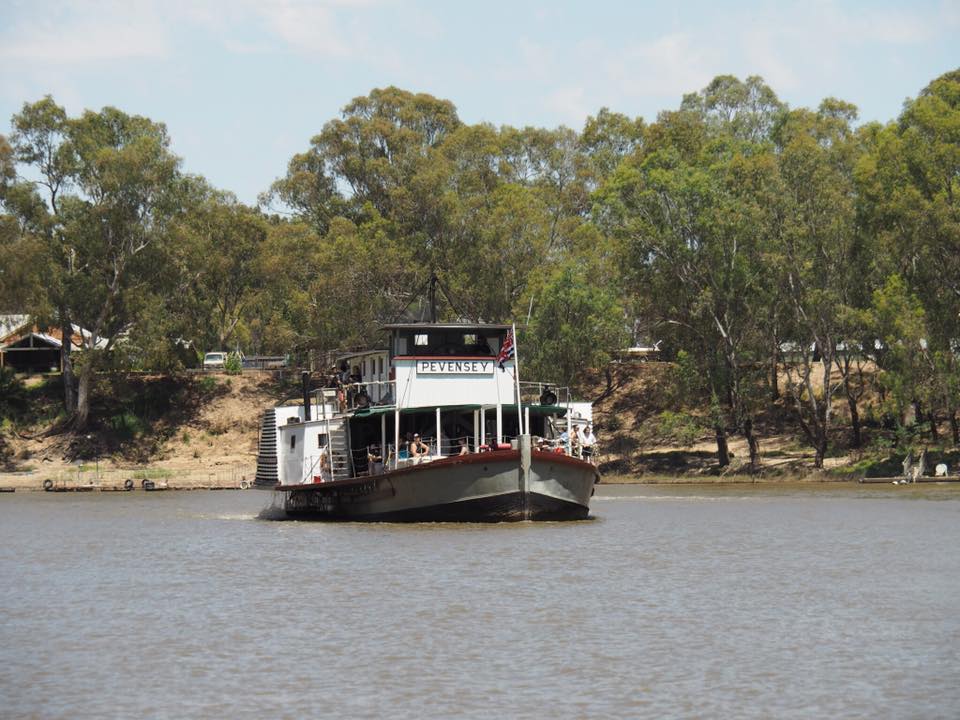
(305, 377)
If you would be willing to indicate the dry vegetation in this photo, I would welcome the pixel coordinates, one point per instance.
(199, 424)
(643, 437)
(184, 425)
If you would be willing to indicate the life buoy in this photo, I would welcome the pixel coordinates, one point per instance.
(128, 484)
(48, 484)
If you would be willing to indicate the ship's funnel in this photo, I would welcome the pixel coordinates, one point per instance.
(305, 378)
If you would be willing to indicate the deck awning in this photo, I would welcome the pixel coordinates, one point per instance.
(535, 409)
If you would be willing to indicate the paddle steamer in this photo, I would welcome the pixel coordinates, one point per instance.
(490, 444)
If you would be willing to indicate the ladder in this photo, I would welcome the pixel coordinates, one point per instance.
(267, 450)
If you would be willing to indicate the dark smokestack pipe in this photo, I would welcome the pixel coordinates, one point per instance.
(305, 378)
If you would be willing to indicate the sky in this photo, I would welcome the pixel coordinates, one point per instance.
(242, 85)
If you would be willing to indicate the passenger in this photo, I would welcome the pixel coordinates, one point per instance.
(575, 442)
(374, 460)
(418, 450)
(464, 450)
(324, 466)
(588, 442)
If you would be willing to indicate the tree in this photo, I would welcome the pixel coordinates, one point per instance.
(40, 140)
(911, 203)
(222, 267)
(111, 189)
(578, 325)
(689, 210)
(819, 254)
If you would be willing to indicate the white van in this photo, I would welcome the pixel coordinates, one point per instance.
(214, 360)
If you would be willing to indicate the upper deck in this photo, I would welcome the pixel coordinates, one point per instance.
(437, 364)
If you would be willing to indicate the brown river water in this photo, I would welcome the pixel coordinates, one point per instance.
(672, 602)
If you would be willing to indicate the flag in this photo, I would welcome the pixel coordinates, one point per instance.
(507, 350)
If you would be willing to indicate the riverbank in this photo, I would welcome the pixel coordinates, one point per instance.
(202, 431)
(87, 479)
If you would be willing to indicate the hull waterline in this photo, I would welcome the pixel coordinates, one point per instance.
(486, 487)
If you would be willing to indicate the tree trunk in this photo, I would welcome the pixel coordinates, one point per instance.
(934, 435)
(66, 363)
(83, 397)
(753, 444)
(820, 452)
(723, 452)
(955, 428)
(857, 440)
(774, 375)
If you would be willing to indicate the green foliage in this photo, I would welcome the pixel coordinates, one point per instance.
(682, 428)
(233, 364)
(208, 384)
(127, 425)
(730, 228)
(13, 394)
(578, 325)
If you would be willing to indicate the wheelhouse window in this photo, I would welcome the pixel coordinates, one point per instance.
(446, 341)
(293, 442)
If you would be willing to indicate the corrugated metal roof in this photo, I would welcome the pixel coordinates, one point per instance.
(9, 323)
(446, 326)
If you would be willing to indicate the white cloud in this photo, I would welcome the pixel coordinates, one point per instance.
(114, 30)
(569, 104)
(671, 63)
(104, 31)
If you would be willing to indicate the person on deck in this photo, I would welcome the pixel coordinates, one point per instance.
(464, 450)
(374, 460)
(418, 450)
(588, 442)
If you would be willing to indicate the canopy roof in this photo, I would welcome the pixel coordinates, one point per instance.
(560, 410)
(446, 326)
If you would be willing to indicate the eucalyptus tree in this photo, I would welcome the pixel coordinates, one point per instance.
(691, 207)
(819, 255)
(693, 248)
(40, 141)
(577, 326)
(367, 156)
(910, 184)
(223, 241)
(491, 208)
(606, 140)
(110, 189)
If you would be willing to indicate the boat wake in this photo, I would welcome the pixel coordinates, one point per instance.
(272, 512)
(673, 498)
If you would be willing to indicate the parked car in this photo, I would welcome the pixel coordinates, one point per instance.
(214, 360)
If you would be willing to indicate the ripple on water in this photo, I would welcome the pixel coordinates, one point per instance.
(691, 602)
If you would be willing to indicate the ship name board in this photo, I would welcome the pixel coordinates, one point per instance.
(454, 367)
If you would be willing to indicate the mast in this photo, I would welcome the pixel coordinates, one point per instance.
(516, 380)
(432, 296)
